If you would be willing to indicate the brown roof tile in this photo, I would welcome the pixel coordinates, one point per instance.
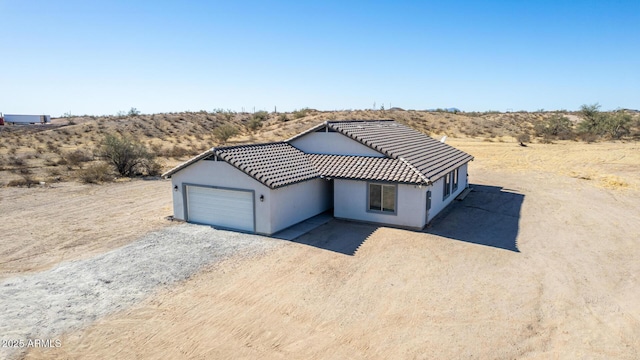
(274, 164)
(412, 157)
(429, 156)
(365, 168)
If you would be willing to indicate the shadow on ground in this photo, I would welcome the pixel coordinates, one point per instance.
(489, 216)
(340, 236)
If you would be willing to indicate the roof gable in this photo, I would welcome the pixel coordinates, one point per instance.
(273, 164)
(429, 156)
(410, 157)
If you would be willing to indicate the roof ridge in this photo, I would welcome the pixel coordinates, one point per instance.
(353, 121)
(420, 174)
(249, 145)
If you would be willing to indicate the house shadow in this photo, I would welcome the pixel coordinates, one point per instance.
(489, 216)
(344, 237)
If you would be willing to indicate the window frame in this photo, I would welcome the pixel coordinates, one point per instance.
(446, 191)
(454, 186)
(395, 198)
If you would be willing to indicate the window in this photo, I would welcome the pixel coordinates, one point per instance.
(447, 186)
(382, 198)
(450, 183)
(455, 180)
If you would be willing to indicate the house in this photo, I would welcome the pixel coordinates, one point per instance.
(373, 171)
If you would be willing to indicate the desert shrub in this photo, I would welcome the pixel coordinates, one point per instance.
(597, 123)
(592, 119)
(298, 114)
(261, 115)
(54, 174)
(523, 138)
(557, 126)
(256, 120)
(133, 112)
(16, 161)
(178, 151)
(154, 168)
(77, 157)
(224, 132)
(283, 117)
(26, 178)
(127, 155)
(254, 124)
(95, 173)
(617, 124)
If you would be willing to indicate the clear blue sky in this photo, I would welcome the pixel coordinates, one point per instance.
(100, 57)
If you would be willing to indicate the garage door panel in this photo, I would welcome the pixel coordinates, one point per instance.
(220, 207)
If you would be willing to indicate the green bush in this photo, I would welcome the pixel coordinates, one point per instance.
(597, 123)
(224, 132)
(556, 127)
(127, 155)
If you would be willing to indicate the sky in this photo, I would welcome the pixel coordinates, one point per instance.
(100, 57)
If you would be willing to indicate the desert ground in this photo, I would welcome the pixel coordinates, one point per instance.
(539, 262)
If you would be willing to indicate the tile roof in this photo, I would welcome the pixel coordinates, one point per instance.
(412, 157)
(273, 164)
(430, 157)
(366, 168)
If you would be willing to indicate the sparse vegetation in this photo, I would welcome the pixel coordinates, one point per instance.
(298, 114)
(77, 158)
(128, 156)
(95, 173)
(133, 112)
(224, 132)
(556, 127)
(66, 149)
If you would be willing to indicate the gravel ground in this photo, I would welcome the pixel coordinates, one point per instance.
(75, 293)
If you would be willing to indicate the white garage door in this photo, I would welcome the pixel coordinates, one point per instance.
(231, 209)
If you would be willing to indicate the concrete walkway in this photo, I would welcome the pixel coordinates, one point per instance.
(301, 228)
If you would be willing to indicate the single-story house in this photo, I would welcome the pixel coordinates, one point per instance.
(372, 171)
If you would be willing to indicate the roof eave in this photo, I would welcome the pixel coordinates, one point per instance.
(185, 164)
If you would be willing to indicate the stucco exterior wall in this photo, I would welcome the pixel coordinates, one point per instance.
(350, 202)
(332, 143)
(221, 174)
(437, 189)
(294, 203)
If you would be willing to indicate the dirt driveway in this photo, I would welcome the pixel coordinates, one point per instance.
(42, 227)
(533, 265)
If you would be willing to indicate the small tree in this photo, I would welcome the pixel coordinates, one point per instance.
(592, 119)
(224, 132)
(127, 155)
(616, 125)
(558, 126)
(133, 112)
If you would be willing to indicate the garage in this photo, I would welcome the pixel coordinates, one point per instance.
(221, 207)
